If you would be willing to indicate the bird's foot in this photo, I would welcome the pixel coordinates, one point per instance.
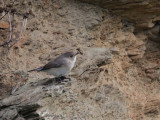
(62, 79)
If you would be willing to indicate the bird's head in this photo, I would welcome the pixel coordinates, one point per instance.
(70, 55)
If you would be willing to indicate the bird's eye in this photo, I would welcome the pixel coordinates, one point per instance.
(71, 56)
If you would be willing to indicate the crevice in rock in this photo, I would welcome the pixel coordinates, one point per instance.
(29, 112)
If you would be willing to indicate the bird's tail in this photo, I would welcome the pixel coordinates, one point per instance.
(37, 69)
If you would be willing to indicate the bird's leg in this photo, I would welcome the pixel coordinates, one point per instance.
(64, 77)
(58, 79)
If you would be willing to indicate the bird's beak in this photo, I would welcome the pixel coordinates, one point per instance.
(79, 52)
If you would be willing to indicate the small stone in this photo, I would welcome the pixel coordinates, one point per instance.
(133, 52)
(57, 5)
(150, 71)
(126, 65)
(153, 76)
(4, 25)
(136, 57)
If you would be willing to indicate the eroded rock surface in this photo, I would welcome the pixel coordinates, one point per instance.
(141, 13)
(117, 77)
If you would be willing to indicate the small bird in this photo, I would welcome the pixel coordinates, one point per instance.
(59, 66)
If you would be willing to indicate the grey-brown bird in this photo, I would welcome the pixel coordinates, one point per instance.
(59, 66)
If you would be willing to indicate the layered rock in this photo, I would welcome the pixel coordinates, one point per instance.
(116, 78)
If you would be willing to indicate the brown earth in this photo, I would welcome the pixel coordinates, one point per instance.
(117, 77)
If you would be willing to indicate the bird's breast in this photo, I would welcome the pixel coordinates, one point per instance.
(72, 62)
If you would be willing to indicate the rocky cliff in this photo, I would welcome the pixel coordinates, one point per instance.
(116, 78)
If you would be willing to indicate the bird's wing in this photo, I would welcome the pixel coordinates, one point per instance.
(37, 69)
(54, 64)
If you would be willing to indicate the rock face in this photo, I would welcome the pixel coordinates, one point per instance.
(117, 77)
(141, 13)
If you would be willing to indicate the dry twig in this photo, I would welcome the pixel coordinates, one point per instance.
(3, 15)
(22, 28)
(10, 28)
(6, 10)
(10, 25)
